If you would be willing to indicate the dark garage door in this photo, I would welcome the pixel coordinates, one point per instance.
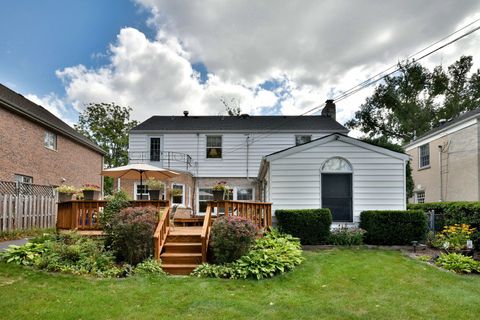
(337, 195)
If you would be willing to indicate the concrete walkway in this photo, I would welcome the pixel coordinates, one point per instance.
(4, 245)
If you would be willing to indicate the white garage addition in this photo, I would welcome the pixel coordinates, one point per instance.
(337, 172)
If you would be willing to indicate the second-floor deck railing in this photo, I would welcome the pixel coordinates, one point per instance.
(168, 159)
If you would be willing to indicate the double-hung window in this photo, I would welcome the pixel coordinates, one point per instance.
(420, 195)
(142, 192)
(244, 194)
(50, 140)
(178, 194)
(424, 156)
(154, 149)
(214, 147)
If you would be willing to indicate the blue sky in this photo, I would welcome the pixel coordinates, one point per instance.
(39, 37)
(163, 56)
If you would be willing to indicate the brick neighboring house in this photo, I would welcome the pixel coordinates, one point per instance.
(37, 147)
(446, 161)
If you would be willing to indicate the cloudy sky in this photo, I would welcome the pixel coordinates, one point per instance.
(268, 57)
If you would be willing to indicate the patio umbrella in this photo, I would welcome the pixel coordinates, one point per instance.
(136, 170)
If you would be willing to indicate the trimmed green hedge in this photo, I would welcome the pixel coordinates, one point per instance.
(393, 227)
(453, 212)
(312, 226)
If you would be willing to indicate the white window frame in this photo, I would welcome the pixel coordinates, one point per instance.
(183, 194)
(22, 178)
(207, 147)
(234, 192)
(302, 135)
(136, 188)
(417, 197)
(50, 140)
(427, 145)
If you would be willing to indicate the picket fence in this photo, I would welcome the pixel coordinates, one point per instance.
(27, 206)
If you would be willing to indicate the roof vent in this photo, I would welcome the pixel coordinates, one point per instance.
(185, 113)
(244, 115)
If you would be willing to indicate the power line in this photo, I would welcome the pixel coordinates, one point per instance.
(371, 80)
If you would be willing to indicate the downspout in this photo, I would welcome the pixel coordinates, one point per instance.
(248, 152)
(440, 171)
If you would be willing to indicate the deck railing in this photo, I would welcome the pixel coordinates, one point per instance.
(161, 233)
(85, 214)
(258, 212)
(207, 223)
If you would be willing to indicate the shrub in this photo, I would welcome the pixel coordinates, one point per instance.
(118, 201)
(273, 254)
(346, 236)
(231, 238)
(149, 267)
(132, 232)
(399, 227)
(458, 263)
(312, 226)
(453, 212)
(453, 237)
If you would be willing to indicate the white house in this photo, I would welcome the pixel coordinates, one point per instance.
(337, 172)
(234, 149)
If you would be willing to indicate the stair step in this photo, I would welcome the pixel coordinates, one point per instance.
(183, 247)
(179, 269)
(181, 258)
(188, 238)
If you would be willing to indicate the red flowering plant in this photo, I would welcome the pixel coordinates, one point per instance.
(90, 187)
(232, 237)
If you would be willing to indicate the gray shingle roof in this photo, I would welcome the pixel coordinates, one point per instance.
(17, 103)
(240, 123)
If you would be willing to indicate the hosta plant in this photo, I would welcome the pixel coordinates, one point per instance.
(458, 263)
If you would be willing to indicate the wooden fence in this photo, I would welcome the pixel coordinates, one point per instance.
(27, 211)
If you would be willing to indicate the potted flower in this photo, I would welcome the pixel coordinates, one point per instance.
(219, 190)
(65, 193)
(91, 191)
(155, 188)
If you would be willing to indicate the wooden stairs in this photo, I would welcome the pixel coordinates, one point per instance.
(182, 251)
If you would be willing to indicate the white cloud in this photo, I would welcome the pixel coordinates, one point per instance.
(52, 103)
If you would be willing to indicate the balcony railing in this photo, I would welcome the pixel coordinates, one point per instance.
(166, 159)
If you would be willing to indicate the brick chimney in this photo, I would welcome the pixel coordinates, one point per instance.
(329, 110)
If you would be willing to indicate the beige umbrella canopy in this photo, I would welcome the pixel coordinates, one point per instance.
(139, 170)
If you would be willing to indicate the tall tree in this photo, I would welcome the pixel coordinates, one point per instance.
(415, 99)
(108, 125)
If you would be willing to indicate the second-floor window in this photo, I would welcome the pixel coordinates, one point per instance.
(302, 139)
(424, 156)
(50, 141)
(214, 147)
(154, 149)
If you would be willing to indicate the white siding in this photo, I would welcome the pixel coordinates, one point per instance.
(234, 153)
(378, 179)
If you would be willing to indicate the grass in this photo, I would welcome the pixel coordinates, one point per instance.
(20, 234)
(337, 284)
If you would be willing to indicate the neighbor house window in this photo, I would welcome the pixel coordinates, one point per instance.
(23, 179)
(154, 149)
(177, 194)
(245, 194)
(302, 139)
(214, 147)
(142, 192)
(420, 197)
(424, 156)
(50, 140)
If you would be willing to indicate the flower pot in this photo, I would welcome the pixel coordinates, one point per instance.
(218, 195)
(64, 197)
(154, 194)
(91, 194)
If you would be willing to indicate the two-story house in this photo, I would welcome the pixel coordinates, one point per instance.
(37, 147)
(446, 160)
(244, 151)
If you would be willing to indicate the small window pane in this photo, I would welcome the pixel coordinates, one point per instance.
(244, 194)
(23, 179)
(154, 149)
(214, 147)
(50, 140)
(142, 192)
(302, 139)
(421, 197)
(336, 165)
(424, 156)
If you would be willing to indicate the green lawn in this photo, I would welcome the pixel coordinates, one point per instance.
(337, 284)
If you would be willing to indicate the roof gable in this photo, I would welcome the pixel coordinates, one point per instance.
(17, 103)
(332, 137)
(240, 123)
